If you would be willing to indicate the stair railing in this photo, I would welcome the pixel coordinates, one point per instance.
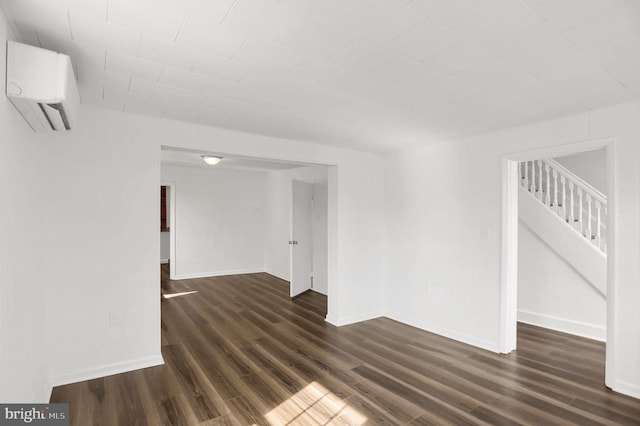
(579, 204)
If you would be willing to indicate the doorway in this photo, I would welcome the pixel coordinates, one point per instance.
(562, 243)
(510, 187)
(179, 166)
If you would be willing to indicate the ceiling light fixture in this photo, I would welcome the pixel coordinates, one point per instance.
(211, 160)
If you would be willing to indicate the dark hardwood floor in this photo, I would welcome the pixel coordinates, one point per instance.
(238, 351)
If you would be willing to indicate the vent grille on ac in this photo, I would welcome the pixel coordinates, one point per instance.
(55, 115)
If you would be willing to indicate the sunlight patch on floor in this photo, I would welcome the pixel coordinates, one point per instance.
(184, 293)
(315, 404)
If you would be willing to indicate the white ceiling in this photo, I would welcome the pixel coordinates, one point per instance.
(378, 75)
(189, 158)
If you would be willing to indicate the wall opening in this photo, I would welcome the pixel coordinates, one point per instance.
(562, 243)
(275, 177)
(511, 181)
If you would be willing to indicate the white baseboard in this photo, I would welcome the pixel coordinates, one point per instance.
(332, 320)
(625, 388)
(577, 328)
(217, 273)
(339, 322)
(457, 336)
(284, 277)
(164, 261)
(107, 370)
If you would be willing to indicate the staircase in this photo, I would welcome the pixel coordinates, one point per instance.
(582, 207)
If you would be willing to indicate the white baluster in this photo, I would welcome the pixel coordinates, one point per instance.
(562, 194)
(533, 177)
(555, 191)
(598, 224)
(540, 192)
(572, 218)
(589, 232)
(580, 222)
(547, 198)
(563, 209)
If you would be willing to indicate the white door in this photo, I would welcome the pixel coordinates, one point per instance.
(301, 242)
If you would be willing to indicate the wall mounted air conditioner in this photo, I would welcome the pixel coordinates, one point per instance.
(41, 85)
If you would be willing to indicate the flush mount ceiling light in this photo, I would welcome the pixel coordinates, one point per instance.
(211, 160)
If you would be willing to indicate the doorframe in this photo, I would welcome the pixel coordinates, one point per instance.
(172, 227)
(509, 262)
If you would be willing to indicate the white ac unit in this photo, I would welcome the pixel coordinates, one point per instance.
(42, 86)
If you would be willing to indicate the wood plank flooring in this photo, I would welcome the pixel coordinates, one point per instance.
(238, 351)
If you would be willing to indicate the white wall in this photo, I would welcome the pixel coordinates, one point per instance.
(278, 218)
(442, 275)
(552, 294)
(102, 180)
(102, 240)
(591, 166)
(219, 223)
(23, 285)
(445, 276)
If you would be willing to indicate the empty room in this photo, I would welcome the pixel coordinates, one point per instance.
(274, 212)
